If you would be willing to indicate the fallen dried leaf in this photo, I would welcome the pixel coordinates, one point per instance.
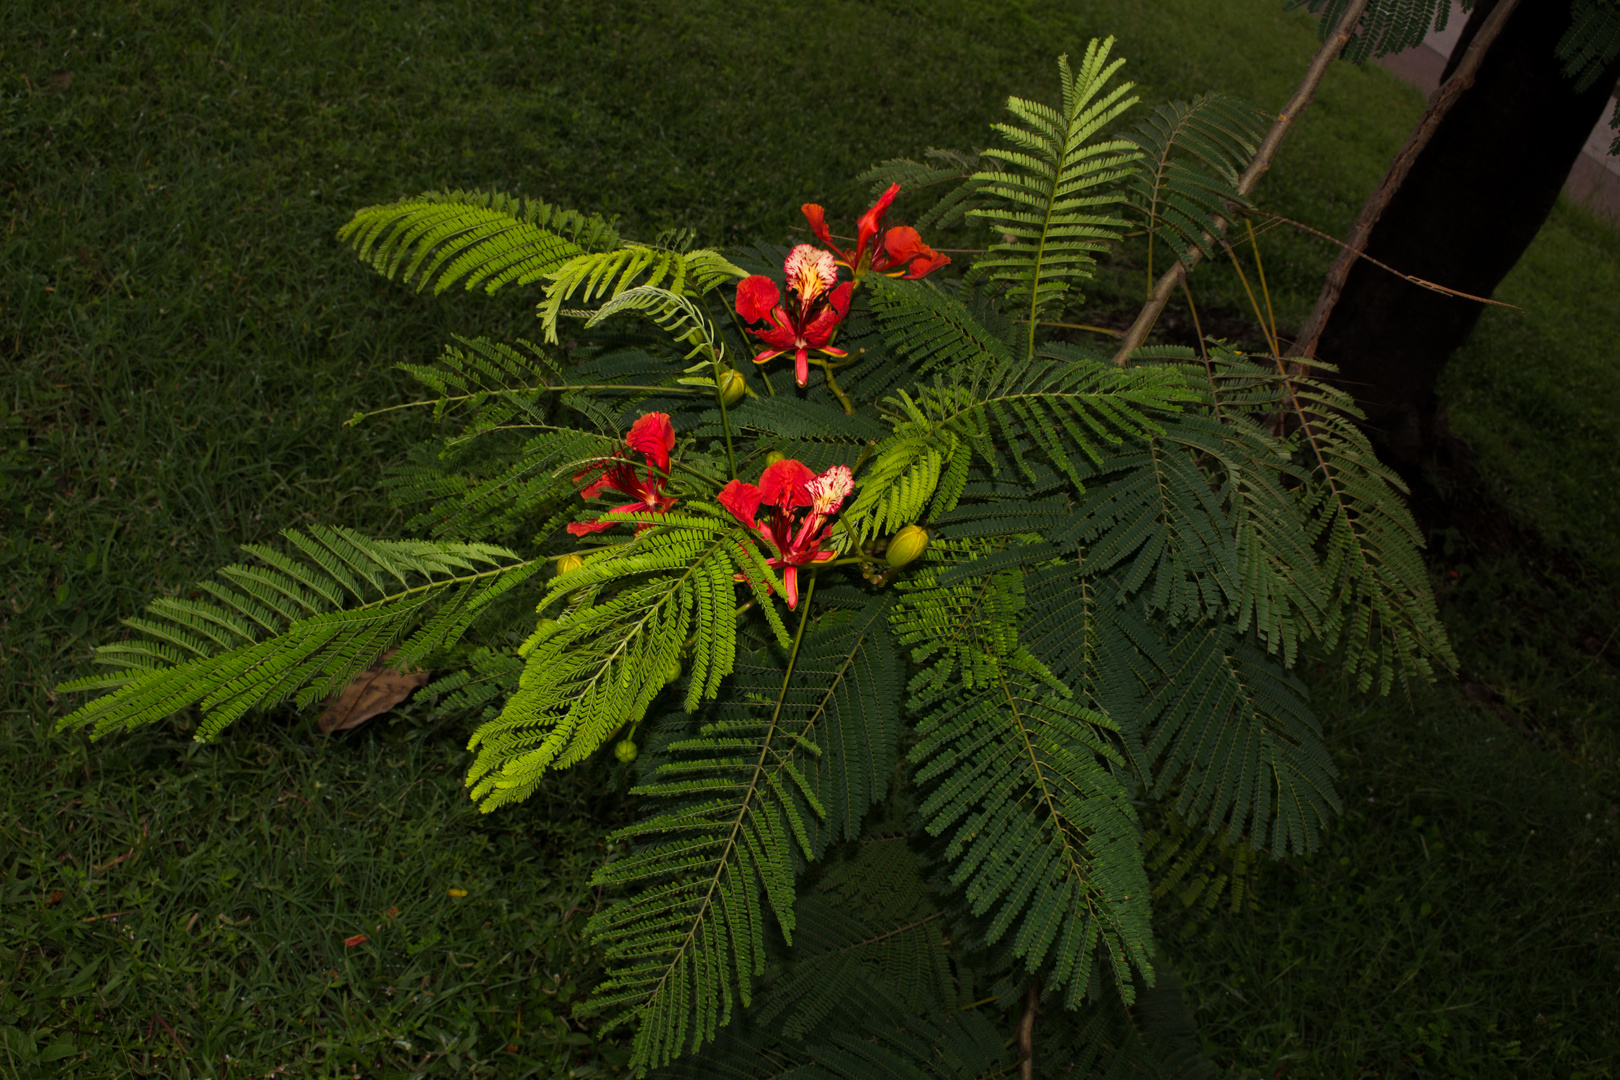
(59, 80)
(371, 693)
(358, 939)
(54, 898)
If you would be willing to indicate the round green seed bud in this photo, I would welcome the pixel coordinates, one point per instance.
(774, 456)
(907, 545)
(625, 751)
(569, 563)
(732, 387)
(672, 672)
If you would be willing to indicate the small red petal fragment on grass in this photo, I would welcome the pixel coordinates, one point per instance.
(358, 939)
(392, 913)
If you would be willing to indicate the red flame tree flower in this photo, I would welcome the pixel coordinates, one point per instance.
(796, 504)
(653, 437)
(817, 304)
(895, 252)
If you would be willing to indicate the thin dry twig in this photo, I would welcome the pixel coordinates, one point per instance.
(1373, 209)
(1301, 100)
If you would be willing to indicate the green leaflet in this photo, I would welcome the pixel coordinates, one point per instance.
(295, 625)
(593, 277)
(597, 667)
(779, 764)
(1068, 413)
(1039, 832)
(1205, 713)
(1055, 194)
(483, 238)
(1195, 151)
(1019, 780)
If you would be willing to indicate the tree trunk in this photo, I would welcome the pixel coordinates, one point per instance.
(1475, 196)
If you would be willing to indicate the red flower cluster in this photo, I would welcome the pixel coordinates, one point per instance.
(817, 303)
(818, 306)
(797, 504)
(653, 437)
(898, 251)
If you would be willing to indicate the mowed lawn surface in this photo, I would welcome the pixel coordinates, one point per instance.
(181, 339)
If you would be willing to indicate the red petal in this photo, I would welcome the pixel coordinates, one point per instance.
(780, 334)
(653, 436)
(923, 267)
(790, 586)
(783, 483)
(619, 476)
(586, 528)
(903, 243)
(742, 500)
(801, 367)
(820, 329)
(756, 296)
(871, 221)
(768, 355)
(817, 217)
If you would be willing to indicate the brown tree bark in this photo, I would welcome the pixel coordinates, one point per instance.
(1473, 198)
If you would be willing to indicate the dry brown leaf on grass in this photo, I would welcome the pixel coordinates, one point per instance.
(371, 693)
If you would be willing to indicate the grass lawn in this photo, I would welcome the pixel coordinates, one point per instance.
(181, 338)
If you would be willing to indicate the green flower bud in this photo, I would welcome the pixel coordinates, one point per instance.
(625, 751)
(569, 563)
(907, 545)
(732, 387)
(774, 456)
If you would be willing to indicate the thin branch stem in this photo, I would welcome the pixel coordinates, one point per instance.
(1260, 268)
(1278, 219)
(1026, 1031)
(1373, 209)
(1251, 176)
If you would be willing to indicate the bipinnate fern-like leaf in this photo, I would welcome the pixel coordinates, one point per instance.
(784, 761)
(483, 238)
(1055, 195)
(1591, 43)
(1158, 518)
(293, 624)
(598, 666)
(1380, 607)
(1194, 152)
(1020, 780)
(1387, 26)
(535, 479)
(677, 315)
(941, 167)
(598, 277)
(930, 329)
(495, 383)
(1061, 416)
(1203, 711)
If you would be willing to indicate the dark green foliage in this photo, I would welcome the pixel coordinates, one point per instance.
(297, 625)
(1388, 26)
(1122, 563)
(785, 761)
(1052, 197)
(1592, 41)
(1195, 151)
